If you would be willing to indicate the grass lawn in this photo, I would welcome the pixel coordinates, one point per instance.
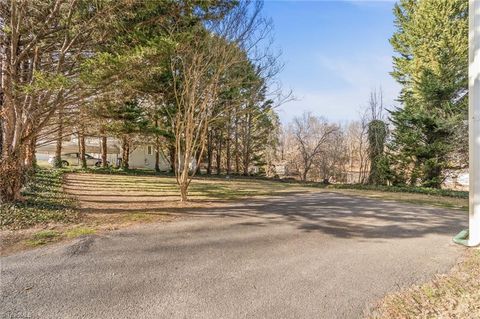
(73, 204)
(64, 204)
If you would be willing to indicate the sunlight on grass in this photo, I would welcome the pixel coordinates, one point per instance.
(43, 237)
(79, 231)
(165, 187)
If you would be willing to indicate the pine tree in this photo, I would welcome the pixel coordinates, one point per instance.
(431, 42)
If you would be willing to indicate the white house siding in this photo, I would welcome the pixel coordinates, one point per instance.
(139, 158)
(44, 152)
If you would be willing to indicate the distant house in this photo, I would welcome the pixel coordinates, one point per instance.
(457, 179)
(142, 155)
(280, 168)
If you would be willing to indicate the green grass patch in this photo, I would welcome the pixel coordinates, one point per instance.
(46, 234)
(79, 231)
(44, 202)
(43, 237)
(236, 186)
(125, 172)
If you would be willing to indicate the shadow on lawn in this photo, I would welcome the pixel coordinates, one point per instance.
(330, 213)
(327, 212)
(347, 216)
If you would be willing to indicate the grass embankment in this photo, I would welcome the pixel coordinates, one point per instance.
(453, 295)
(46, 215)
(45, 202)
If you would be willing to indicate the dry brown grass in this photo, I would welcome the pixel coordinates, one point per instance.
(453, 295)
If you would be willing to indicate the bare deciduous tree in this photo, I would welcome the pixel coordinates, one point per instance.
(199, 67)
(310, 134)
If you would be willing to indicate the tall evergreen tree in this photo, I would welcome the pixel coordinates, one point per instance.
(431, 43)
(377, 135)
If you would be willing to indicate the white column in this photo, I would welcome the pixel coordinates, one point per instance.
(474, 122)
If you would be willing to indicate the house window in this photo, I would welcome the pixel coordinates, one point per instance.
(149, 150)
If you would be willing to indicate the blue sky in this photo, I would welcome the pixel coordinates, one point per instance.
(335, 53)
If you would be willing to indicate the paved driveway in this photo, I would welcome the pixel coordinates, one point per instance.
(315, 255)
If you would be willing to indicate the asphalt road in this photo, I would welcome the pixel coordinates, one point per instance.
(320, 255)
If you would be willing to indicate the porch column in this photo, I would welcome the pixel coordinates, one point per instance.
(474, 122)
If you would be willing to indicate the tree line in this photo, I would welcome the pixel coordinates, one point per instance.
(196, 79)
(423, 140)
(315, 149)
(192, 77)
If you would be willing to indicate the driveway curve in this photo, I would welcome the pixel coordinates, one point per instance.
(313, 255)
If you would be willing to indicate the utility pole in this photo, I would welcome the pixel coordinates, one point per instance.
(474, 122)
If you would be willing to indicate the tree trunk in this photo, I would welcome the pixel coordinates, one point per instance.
(183, 192)
(104, 151)
(219, 154)
(237, 157)
(172, 157)
(81, 141)
(306, 169)
(228, 155)
(197, 166)
(12, 158)
(58, 149)
(126, 152)
(157, 150)
(12, 175)
(1, 130)
(246, 147)
(209, 153)
(183, 174)
(30, 155)
(157, 157)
